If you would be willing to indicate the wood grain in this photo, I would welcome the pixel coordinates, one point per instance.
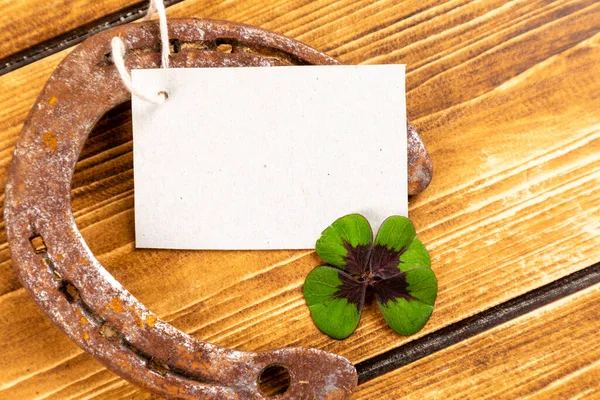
(546, 354)
(505, 96)
(28, 23)
(477, 324)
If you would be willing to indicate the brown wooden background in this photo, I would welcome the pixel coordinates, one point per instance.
(506, 95)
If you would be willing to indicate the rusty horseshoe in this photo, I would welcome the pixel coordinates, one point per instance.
(60, 272)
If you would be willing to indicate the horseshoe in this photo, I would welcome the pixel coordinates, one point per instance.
(60, 272)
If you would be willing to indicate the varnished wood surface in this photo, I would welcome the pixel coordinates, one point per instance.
(505, 96)
(26, 23)
(546, 354)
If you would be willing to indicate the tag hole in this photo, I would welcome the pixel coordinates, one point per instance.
(274, 380)
(164, 95)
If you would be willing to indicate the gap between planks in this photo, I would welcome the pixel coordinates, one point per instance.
(457, 325)
(464, 329)
(75, 36)
(476, 324)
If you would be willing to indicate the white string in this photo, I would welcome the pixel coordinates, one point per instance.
(159, 7)
(118, 51)
(151, 10)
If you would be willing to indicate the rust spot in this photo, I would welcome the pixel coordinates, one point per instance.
(53, 100)
(116, 305)
(83, 320)
(50, 140)
(82, 260)
(59, 257)
(151, 320)
(86, 336)
(139, 321)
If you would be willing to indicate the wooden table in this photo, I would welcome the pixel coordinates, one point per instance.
(506, 95)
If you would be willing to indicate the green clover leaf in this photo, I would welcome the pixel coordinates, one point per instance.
(395, 269)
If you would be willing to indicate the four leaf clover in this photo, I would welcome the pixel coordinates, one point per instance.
(395, 270)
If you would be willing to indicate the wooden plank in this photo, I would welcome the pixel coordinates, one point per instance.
(514, 203)
(477, 324)
(28, 23)
(546, 354)
(501, 315)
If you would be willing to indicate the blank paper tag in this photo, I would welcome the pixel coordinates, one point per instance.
(266, 158)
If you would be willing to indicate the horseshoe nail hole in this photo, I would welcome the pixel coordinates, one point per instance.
(274, 380)
(108, 60)
(57, 275)
(225, 48)
(175, 45)
(38, 244)
(109, 332)
(69, 291)
(158, 366)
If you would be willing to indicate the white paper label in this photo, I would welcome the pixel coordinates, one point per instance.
(266, 158)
